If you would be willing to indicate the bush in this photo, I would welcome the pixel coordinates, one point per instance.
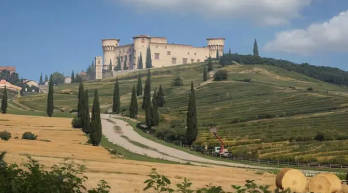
(220, 75)
(76, 123)
(319, 137)
(4, 135)
(178, 81)
(29, 136)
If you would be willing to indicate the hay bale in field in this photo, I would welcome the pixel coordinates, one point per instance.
(291, 179)
(325, 183)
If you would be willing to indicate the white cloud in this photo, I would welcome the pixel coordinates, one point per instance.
(329, 36)
(264, 12)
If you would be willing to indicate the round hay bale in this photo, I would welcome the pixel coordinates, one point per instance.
(325, 183)
(291, 179)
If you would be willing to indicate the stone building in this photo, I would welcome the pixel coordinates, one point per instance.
(162, 53)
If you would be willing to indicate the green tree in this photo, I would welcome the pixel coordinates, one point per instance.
(217, 54)
(46, 78)
(139, 86)
(256, 49)
(50, 105)
(4, 101)
(72, 77)
(148, 58)
(154, 108)
(41, 80)
(160, 97)
(96, 126)
(210, 64)
(133, 107)
(229, 51)
(147, 92)
(110, 66)
(140, 62)
(125, 67)
(58, 78)
(85, 115)
(80, 104)
(116, 103)
(205, 73)
(192, 129)
(118, 67)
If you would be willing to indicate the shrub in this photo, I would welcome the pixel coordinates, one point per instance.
(178, 81)
(29, 136)
(220, 75)
(310, 89)
(319, 137)
(76, 123)
(4, 135)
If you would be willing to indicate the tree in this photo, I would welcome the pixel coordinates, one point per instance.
(80, 104)
(85, 115)
(155, 113)
(41, 80)
(210, 64)
(133, 107)
(4, 101)
(160, 97)
(58, 78)
(46, 78)
(72, 77)
(191, 119)
(229, 51)
(147, 92)
(50, 105)
(116, 104)
(148, 58)
(220, 75)
(125, 67)
(140, 62)
(256, 49)
(178, 81)
(110, 66)
(96, 126)
(118, 67)
(205, 73)
(139, 86)
(217, 54)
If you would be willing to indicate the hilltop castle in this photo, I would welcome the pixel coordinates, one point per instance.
(162, 53)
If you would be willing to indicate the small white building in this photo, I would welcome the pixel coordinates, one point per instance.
(31, 83)
(67, 80)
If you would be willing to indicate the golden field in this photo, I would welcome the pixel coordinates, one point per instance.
(58, 142)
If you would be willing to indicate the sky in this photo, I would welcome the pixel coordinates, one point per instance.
(45, 36)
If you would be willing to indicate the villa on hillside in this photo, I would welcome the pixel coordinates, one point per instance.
(9, 86)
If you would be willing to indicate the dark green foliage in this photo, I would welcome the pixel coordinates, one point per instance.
(140, 62)
(80, 103)
(155, 113)
(159, 183)
(110, 66)
(178, 81)
(205, 73)
(217, 54)
(256, 49)
(116, 104)
(50, 105)
(72, 77)
(96, 126)
(118, 66)
(148, 116)
(4, 101)
(85, 123)
(139, 86)
(46, 78)
(147, 91)
(191, 118)
(319, 137)
(29, 136)
(133, 107)
(220, 75)
(31, 177)
(160, 97)
(4, 135)
(148, 58)
(91, 71)
(41, 79)
(210, 64)
(58, 78)
(125, 67)
(76, 123)
(10, 77)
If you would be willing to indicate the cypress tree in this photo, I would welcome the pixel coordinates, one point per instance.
(160, 97)
(50, 105)
(46, 78)
(229, 51)
(210, 64)
(96, 126)
(80, 103)
(118, 67)
(256, 49)
(155, 113)
(133, 107)
(147, 92)
(192, 130)
(110, 66)
(41, 80)
(72, 77)
(139, 86)
(148, 58)
(140, 62)
(116, 104)
(125, 63)
(205, 73)
(4, 101)
(85, 114)
(217, 54)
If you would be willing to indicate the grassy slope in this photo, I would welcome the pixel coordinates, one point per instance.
(293, 114)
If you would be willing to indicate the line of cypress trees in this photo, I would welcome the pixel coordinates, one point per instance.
(50, 105)
(155, 114)
(148, 58)
(96, 126)
(4, 101)
(116, 105)
(205, 73)
(192, 129)
(140, 62)
(133, 107)
(139, 86)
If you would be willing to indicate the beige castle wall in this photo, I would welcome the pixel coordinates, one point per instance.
(109, 47)
(125, 53)
(98, 61)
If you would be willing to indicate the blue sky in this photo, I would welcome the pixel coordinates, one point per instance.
(48, 35)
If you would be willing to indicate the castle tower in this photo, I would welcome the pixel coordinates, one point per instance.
(141, 43)
(109, 50)
(98, 61)
(215, 45)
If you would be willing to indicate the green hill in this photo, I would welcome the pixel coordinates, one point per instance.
(261, 110)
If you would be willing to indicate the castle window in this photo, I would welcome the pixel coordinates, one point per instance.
(184, 60)
(173, 60)
(188, 53)
(169, 53)
(157, 55)
(195, 53)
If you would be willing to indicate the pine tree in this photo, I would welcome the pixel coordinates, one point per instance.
(147, 92)
(85, 114)
(133, 107)
(140, 62)
(192, 130)
(96, 126)
(4, 101)
(72, 77)
(50, 105)
(118, 67)
(205, 73)
(110, 66)
(155, 113)
(256, 49)
(210, 64)
(148, 58)
(125, 67)
(116, 104)
(41, 80)
(160, 97)
(139, 86)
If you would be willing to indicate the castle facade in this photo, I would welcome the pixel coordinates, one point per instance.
(162, 53)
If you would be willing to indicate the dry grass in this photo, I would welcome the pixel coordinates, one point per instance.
(58, 142)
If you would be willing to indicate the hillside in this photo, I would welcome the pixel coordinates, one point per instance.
(261, 111)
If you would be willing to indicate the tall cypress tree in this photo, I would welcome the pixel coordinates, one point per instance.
(210, 64)
(148, 58)
(85, 115)
(46, 78)
(72, 77)
(192, 130)
(155, 113)
(41, 80)
(4, 101)
(217, 54)
(256, 49)
(139, 86)
(125, 67)
(229, 51)
(205, 73)
(110, 66)
(116, 104)
(96, 126)
(147, 92)
(80, 103)
(140, 62)
(50, 105)
(133, 107)
(118, 67)
(160, 97)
